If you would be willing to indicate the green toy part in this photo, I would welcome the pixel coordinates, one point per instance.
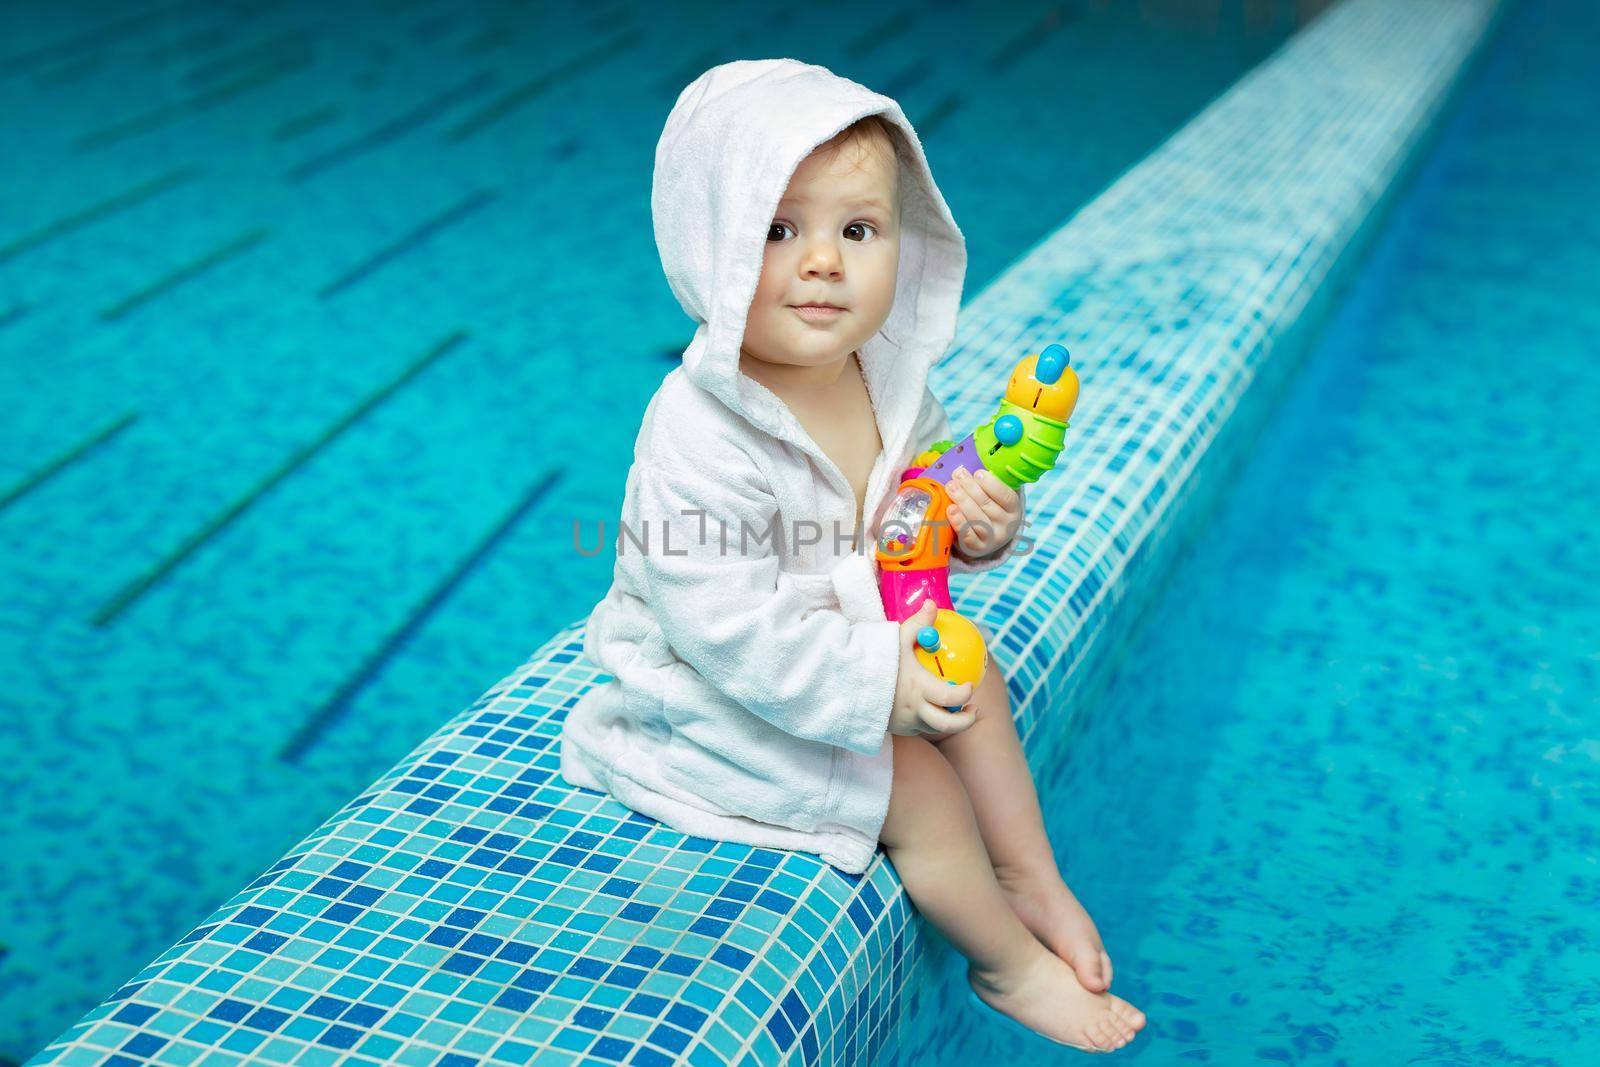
(1026, 461)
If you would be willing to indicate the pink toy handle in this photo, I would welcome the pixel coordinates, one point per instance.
(904, 591)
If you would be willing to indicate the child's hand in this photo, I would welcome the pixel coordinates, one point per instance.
(984, 511)
(920, 696)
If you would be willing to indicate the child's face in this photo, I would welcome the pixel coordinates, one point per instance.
(835, 239)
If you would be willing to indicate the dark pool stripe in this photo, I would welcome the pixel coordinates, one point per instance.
(287, 45)
(410, 241)
(389, 131)
(1033, 36)
(334, 708)
(65, 460)
(909, 77)
(12, 314)
(289, 129)
(111, 32)
(509, 102)
(491, 38)
(882, 33)
(432, 27)
(610, 20)
(221, 254)
(206, 40)
(936, 116)
(137, 588)
(120, 202)
(66, 74)
(151, 120)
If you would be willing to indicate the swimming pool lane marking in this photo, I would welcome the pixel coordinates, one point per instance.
(673, 82)
(66, 459)
(488, 40)
(137, 588)
(221, 254)
(938, 113)
(168, 113)
(411, 240)
(400, 7)
(67, 73)
(601, 21)
(1033, 36)
(112, 32)
(909, 77)
(304, 123)
(287, 45)
(93, 213)
(884, 31)
(430, 29)
(200, 41)
(511, 100)
(391, 130)
(335, 706)
(408, 242)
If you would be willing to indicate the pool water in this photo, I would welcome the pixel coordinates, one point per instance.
(1338, 803)
(321, 325)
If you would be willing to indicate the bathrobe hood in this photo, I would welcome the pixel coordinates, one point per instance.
(752, 690)
(732, 142)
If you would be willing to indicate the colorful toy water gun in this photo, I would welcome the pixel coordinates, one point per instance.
(1018, 444)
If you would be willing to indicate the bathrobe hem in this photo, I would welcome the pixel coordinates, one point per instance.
(839, 846)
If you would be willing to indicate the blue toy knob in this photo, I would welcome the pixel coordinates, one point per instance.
(1008, 429)
(1052, 361)
(928, 638)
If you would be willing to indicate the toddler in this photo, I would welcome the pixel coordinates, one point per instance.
(759, 694)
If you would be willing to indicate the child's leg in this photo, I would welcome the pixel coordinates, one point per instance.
(932, 839)
(988, 757)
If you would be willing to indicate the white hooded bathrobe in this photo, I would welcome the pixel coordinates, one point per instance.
(752, 679)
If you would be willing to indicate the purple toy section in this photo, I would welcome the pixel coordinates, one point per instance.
(962, 454)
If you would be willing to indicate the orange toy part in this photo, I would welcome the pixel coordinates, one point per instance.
(915, 532)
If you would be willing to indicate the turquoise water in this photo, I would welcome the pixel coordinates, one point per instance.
(1338, 804)
(320, 325)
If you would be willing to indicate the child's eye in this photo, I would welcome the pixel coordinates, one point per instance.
(858, 225)
(776, 226)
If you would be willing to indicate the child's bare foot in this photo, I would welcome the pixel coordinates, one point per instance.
(1050, 910)
(1045, 996)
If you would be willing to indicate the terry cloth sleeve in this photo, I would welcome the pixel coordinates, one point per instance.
(933, 424)
(731, 613)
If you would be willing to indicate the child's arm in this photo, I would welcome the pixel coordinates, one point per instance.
(735, 617)
(933, 424)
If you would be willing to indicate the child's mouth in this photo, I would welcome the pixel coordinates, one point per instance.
(816, 312)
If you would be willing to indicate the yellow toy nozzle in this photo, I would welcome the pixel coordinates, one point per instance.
(1046, 384)
(952, 648)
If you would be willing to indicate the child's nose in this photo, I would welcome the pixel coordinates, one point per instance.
(821, 258)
